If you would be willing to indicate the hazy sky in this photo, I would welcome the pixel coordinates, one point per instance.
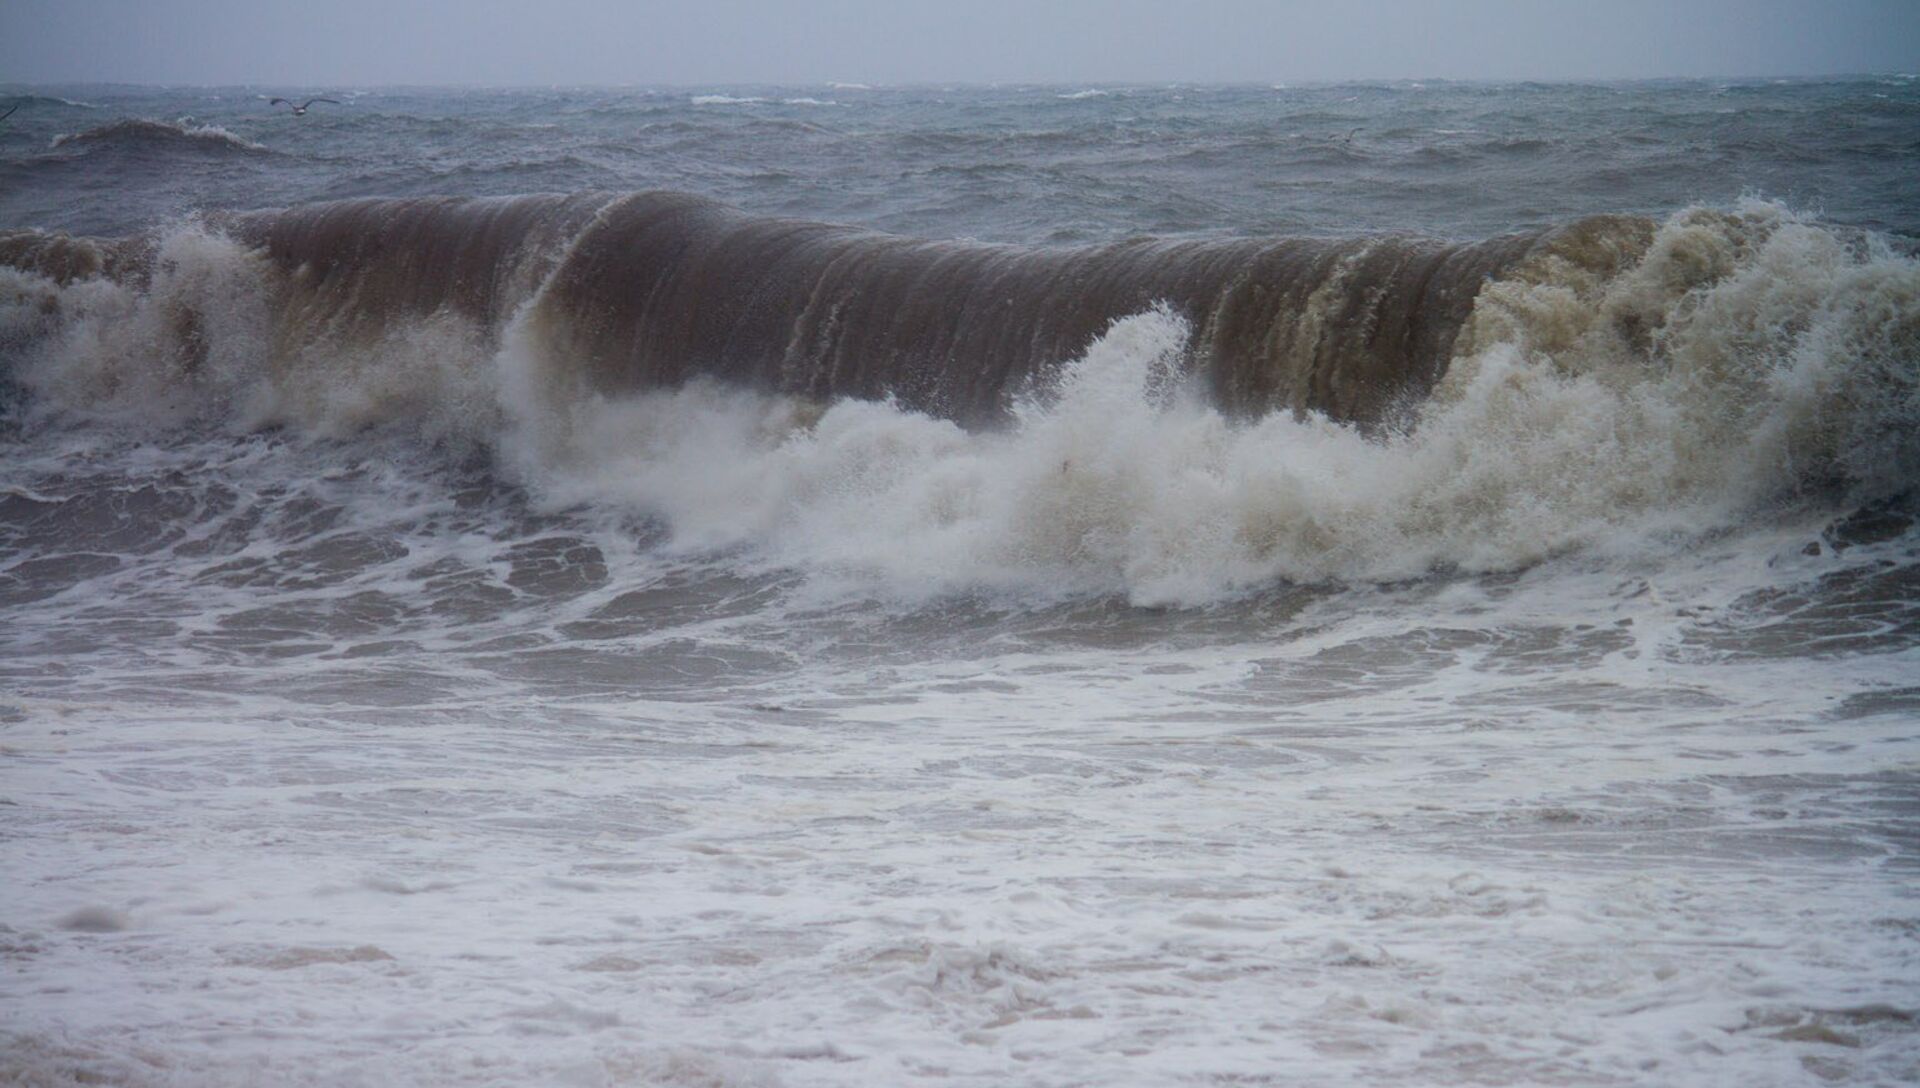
(345, 42)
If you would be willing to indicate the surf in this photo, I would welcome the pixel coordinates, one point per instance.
(1172, 419)
(648, 290)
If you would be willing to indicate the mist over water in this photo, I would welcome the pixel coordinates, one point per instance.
(1375, 583)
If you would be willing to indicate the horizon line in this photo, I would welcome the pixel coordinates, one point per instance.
(1275, 83)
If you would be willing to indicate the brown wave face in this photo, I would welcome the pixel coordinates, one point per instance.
(65, 259)
(653, 289)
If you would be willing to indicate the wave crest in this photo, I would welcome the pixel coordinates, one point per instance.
(142, 132)
(1609, 386)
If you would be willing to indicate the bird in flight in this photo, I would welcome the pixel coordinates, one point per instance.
(301, 109)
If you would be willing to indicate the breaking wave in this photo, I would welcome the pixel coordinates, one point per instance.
(1169, 420)
(143, 133)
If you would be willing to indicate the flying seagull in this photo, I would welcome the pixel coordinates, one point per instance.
(301, 109)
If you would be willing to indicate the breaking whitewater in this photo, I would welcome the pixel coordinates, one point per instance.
(654, 635)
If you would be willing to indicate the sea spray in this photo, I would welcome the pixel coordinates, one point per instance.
(1117, 479)
(1625, 383)
(443, 691)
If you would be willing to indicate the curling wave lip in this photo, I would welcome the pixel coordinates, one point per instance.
(648, 290)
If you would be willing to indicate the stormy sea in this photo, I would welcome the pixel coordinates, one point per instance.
(1382, 583)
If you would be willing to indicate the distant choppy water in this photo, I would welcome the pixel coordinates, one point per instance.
(1019, 164)
(381, 705)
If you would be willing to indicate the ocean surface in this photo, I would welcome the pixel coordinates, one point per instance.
(1377, 584)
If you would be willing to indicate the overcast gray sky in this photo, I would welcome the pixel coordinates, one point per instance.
(347, 42)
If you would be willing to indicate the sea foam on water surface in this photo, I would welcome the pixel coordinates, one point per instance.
(396, 696)
(1626, 383)
(1749, 360)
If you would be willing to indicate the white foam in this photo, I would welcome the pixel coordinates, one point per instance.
(324, 760)
(1405, 833)
(1749, 358)
(1790, 365)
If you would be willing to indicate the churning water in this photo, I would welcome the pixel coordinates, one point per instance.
(1388, 584)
